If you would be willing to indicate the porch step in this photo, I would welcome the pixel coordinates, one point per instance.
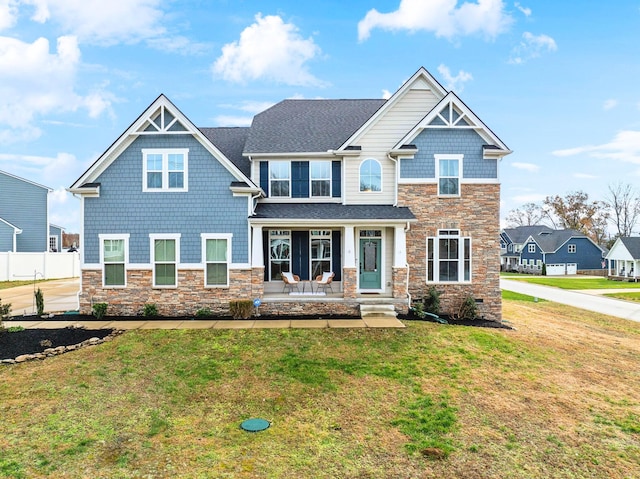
(377, 311)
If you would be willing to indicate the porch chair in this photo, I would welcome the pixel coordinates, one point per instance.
(324, 280)
(290, 281)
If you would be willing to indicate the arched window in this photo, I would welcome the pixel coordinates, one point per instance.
(370, 175)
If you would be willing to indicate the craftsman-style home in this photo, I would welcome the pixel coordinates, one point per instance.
(319, 207)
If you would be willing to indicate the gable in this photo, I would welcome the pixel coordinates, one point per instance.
(161, 119)
(452, 113)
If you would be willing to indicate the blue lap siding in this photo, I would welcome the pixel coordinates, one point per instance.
(207, 207)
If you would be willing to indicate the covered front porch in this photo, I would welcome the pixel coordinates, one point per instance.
(367, 258)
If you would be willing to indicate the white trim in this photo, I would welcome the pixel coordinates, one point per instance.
(165, 152)
(284, 162)
(460, 159)
(117, 236)
(207, 236)
(382, 238)
(360, 190)
(461, 258)
(330, 179)
(164, 236)
(434, 181)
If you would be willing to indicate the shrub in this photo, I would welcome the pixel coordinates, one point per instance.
(241, 309)
(432, 301)
(150, 309)
(5, 310)
(468, 308)
(39, 302)
(418, 309)
(544, 269)
(204, 312)
(99, 310)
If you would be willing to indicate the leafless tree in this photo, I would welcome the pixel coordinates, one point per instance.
(623, 202)
(529, 214)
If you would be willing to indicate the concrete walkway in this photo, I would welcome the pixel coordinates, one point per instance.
(584, 299)
(62, 295)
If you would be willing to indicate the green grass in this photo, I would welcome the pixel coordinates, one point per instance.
(13, 284)
(572, 282)
(429, 400)
(625, 296)
(513, 296)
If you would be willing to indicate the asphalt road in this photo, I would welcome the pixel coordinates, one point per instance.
(577, 299)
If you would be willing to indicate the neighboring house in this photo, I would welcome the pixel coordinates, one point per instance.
(24, 221)
(511, 242)
(624, 258)
(392, 196)
(55, 238)
(562, 251)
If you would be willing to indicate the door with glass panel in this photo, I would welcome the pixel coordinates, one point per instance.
(370, 259)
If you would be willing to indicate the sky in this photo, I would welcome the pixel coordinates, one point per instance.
(556, 81)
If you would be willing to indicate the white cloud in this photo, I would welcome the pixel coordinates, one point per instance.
(100, 22)
(526, 166)
(625, 146)
(442, 17)
(386, 94)
(457, 82)
(8, 13)
(36, 82)
(610, 104)
(269, 49)
(584, 176)
(532, 46)
(230, 120)
(525, 10)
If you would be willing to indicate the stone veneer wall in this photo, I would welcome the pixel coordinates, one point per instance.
(476, 214)
(186, 299)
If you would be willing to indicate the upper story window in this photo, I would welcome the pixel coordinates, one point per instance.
(370, 175)
(280, 178)
(572, 248)
(320, 176)
(448, 172)
(531, 248)
(165, 169)
(114, 250)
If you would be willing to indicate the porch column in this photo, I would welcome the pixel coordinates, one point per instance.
(257, 257)
(400, 247)
(349, 248)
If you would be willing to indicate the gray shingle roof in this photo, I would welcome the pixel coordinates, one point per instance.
(632, 243)
(520, 234)
(298, 126)
(332, 211)
(230, 141)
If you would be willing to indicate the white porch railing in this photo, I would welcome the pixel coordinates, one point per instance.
(26, 266)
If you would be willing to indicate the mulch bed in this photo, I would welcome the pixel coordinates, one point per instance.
(31, 341)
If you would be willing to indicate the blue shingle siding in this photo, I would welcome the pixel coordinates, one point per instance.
(587, 255)
(208, 206)
(6, 237)
(24, 205)
(456, 141)
(57, 232)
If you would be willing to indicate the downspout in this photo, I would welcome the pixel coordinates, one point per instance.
(395, 193)
(406, 230)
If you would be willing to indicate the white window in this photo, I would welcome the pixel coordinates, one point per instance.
(216, 251)
(279, 253)
(370, 175)
(448, 172)
(320, 252)
(165, 255)
(531, 248)
(572, 248)
(448, 257)
(114, 255)
(53, 243)
(280, 178)
(165, 169)
(320, 176)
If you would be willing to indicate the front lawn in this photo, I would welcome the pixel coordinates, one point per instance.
(556, 397)
(572, 282)
(625, 296)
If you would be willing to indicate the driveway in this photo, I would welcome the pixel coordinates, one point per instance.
(60, 295)
(589, 300)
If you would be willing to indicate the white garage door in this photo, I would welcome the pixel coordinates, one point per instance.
(572, 268)
(555, 269)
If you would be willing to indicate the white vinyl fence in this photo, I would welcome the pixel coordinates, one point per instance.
(26, 266)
